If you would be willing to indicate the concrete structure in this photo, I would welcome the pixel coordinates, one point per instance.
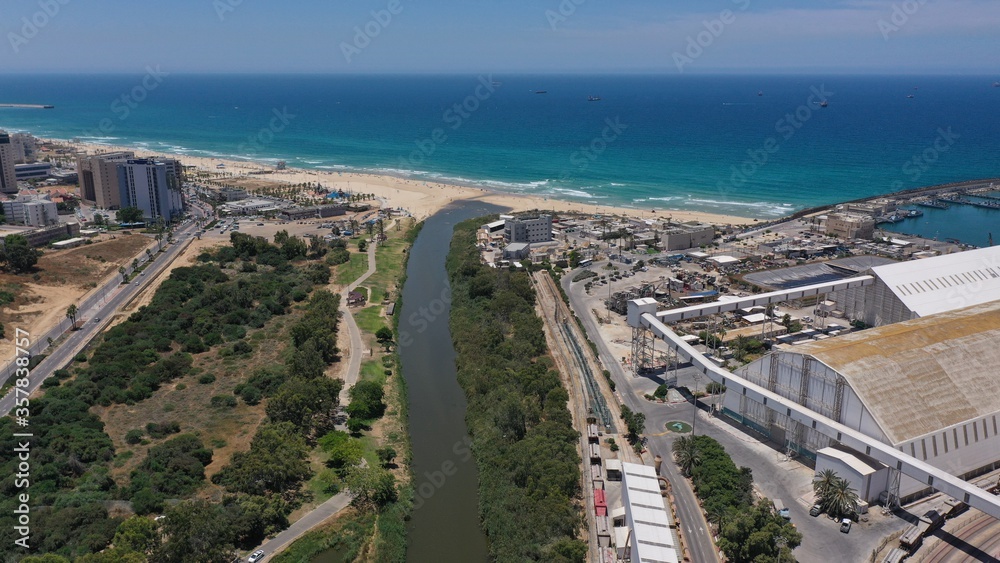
(682, 236)
(98, 177)
(850, 225)
(69, 243)
(910, 290)
(249, 206)
(652, 538)
(8, 176)
(647, 323)
(516, 251)
(926, 387)
(44, 235)
(231, 194)
(33, 211)
(33, 171)
(528, 229)
(145, 184)
(868, 477)
(320, 212)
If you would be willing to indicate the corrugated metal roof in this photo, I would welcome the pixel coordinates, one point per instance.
(945, 283)
(921, 376)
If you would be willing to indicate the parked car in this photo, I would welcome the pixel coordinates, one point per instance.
(256, 556)
(845, 525)
(816, 510)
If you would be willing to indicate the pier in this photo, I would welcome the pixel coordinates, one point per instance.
(26, 106)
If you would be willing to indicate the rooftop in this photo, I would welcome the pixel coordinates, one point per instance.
(945, 283)
(918, 377)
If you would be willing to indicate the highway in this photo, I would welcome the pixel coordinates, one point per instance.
(101, 304)
(695, 530)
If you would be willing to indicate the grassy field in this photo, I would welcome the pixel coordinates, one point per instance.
(370, 319)
(347, 273)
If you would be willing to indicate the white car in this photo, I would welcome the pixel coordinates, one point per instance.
(256, 556)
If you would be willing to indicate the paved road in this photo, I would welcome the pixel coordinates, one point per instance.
(357, 352)
(312, 519)
(337, 502)
(102, 303)
(697, 537)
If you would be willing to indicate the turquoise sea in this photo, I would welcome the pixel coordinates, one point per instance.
(755, 146)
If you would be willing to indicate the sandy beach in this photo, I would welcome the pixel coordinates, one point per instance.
(420, 198)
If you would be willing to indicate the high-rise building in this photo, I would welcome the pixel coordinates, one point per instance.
(8, 176)
(146, 185)
(25, 147)
(98, 177)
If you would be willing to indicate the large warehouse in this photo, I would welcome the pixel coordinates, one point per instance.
(918, 288)
(929, 386)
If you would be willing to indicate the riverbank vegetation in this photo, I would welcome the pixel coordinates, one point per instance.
(749, 530)
(523, 438)
(373, 529)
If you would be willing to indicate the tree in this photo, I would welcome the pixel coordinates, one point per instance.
(686, 454)
(373, 487)
(139, 534)
(17, 255)
(344, 451)
(386, 455)
(384, 337)
(574, 259)
(635, 422)
(196, 527)
(366, 400)
(71, 312)
(122, 271)
(840, 499)
(129, 215)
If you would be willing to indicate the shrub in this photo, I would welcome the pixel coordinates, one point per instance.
(223, 401)
(133, 436)
(206, 379)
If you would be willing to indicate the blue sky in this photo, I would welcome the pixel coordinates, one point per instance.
(924, 36)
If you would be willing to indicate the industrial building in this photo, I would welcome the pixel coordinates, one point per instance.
(908, 290)
(648, 535)
(528, 229)
(926, 387)
(682, 236)
(850, 225)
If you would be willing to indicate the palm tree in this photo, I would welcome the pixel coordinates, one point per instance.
(71, 314)
(686, 454)
(718, 517)
(841, 499)
(121, 270)
(823, 483)
(135, 263)
(149, 255)
(159, 241)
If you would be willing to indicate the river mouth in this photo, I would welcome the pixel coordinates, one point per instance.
(445, 524)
